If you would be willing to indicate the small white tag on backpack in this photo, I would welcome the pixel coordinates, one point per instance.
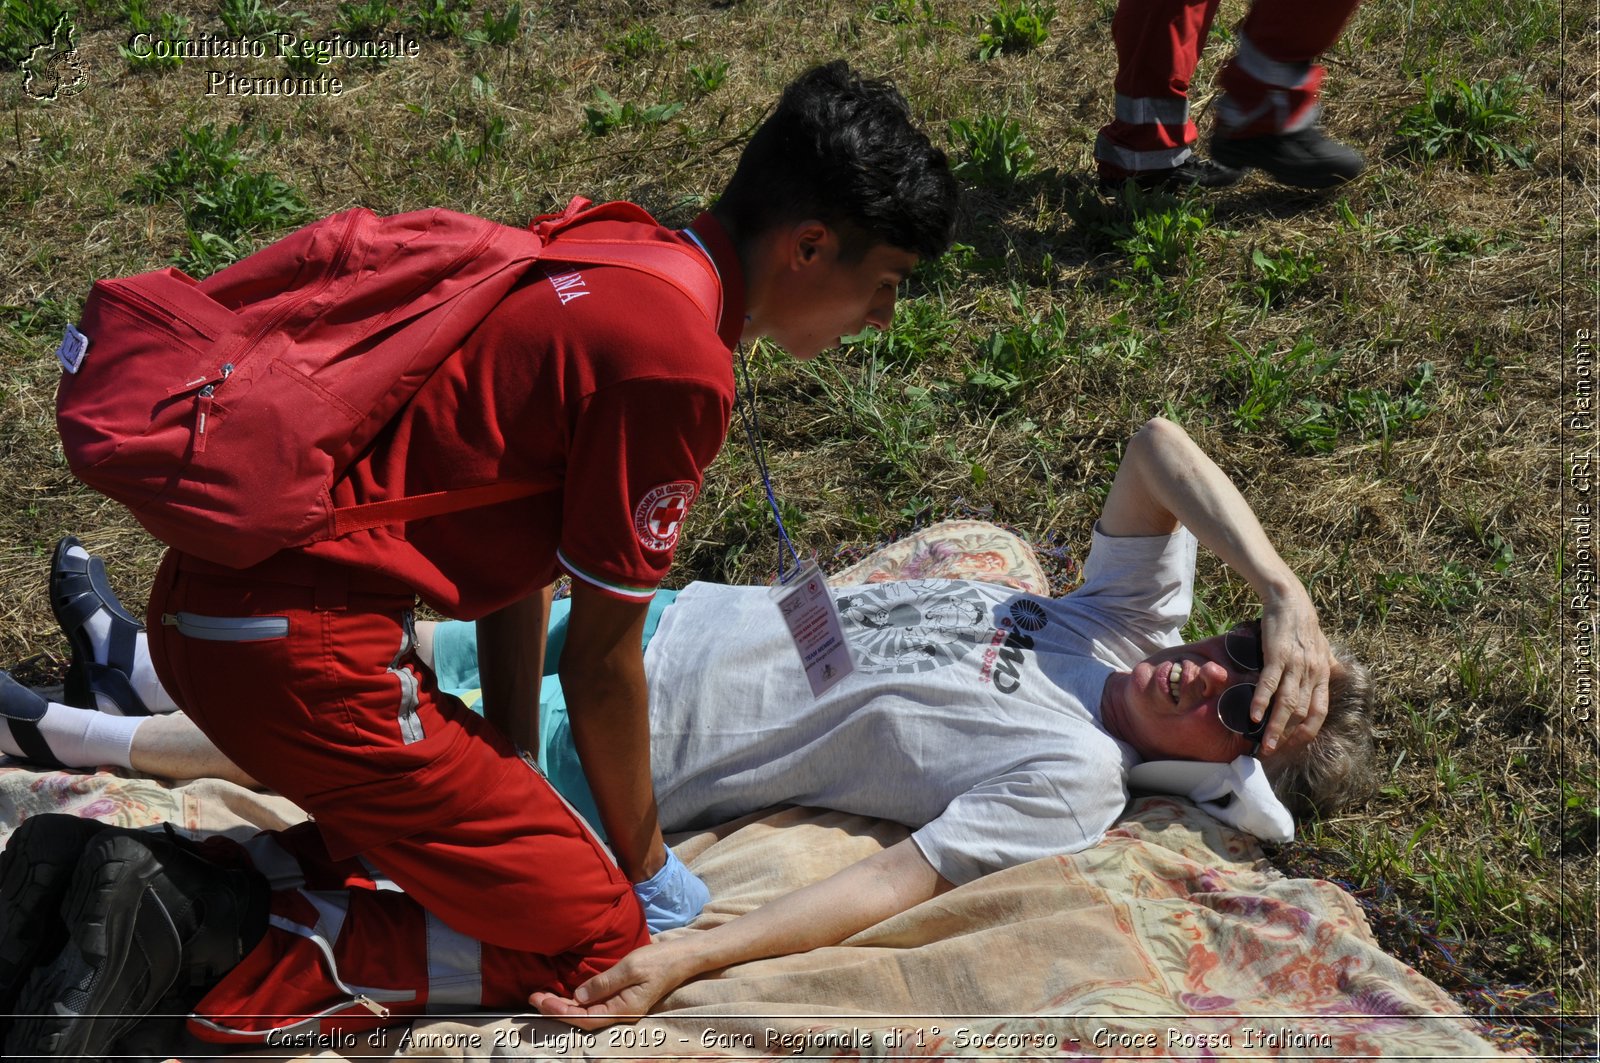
(74, 345)
(812, 617)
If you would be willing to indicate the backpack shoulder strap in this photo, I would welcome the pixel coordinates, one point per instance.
(683, 268)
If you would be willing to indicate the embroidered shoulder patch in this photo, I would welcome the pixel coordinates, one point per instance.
(659, 514)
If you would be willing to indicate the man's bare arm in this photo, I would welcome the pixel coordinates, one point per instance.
(825, 913)
(608, 708)
(510, 664)
(1165, 479)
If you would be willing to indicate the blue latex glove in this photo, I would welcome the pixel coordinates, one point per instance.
(672, 897)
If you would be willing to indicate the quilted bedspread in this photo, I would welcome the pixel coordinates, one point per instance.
(1172, 938)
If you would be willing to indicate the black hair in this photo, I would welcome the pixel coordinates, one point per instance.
(842, 149)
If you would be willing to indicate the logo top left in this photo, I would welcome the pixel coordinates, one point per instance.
(54, 70)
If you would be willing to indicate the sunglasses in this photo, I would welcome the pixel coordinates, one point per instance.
(1243, 645)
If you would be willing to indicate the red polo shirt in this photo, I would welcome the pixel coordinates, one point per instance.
(604, 378)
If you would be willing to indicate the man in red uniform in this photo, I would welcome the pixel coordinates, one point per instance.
(612, 382)
(1266, 118)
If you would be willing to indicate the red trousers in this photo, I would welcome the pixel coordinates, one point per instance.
(304, 675)
(1269, 85)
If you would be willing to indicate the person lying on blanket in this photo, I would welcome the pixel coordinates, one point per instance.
(1000, 726)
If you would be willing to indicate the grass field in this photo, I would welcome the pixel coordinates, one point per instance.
(1381, 369)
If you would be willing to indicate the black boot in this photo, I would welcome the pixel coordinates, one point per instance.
(148, 919)
(1190, 174)
(1305, 158)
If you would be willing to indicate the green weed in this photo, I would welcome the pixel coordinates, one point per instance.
(1016, 26)
(246, 203)
(639, 43)
(24, 25)
(1014, 358)
(43, 319)
(499, 30)
(948, 269)
(902, 12)
(897, 421)
(222, 202)
(706, 78)
(1366, 413)
(1158, 241)
(1279, 275)
(992, 151)
(1580, 817)
(55, 146)
(253, 18)
(1298, 392)
(1268, 383)
(440, 19)
(607, 114)
(473, 150)
(304, 58)
(1473, 124)
(204, 157)
(360, 19)
(922, 329)
(1455, 588)
(1446, 243)
(167, 26)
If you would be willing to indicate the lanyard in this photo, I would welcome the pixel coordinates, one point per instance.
(752, 432)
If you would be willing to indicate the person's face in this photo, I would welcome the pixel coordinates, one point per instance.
(1170, 702)
(816, 296)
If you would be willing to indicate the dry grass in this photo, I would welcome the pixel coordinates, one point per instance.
(1434, 547)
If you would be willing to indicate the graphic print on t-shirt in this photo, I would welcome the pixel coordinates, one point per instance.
(913, 625)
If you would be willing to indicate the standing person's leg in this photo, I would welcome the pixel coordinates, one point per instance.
(1158, 46)
(1267, 117)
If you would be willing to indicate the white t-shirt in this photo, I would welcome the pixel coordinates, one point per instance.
(973, 715)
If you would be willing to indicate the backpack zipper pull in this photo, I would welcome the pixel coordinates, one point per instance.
(200, 381)
(202, 407)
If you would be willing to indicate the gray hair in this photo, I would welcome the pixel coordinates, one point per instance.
(1334, 769)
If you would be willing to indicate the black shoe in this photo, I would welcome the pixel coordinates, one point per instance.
(35, 871)
(1306, 158)
(21, 710)
(1193, 172)
(78, 590)
(148, 920)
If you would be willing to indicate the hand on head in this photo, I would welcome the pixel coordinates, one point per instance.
(1297, 663)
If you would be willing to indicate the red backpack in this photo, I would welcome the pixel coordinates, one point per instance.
(221, 412)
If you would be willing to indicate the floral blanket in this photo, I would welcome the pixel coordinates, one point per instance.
(1171, 939)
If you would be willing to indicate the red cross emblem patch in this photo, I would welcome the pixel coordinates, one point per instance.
(660, 513)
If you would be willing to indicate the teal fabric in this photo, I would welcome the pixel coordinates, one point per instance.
(455, 663)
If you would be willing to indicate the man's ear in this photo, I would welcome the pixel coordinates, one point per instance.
(808, 240)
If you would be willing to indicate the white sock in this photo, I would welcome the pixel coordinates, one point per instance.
(99, 625)
(81, 738)
(145, 683)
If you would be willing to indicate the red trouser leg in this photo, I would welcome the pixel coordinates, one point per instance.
(1270, 85)
(347, 952)
(313, 691)
(1158, 46)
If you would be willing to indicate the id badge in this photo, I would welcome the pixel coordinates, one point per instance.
(813, 620)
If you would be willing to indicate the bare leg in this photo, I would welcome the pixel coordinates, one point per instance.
(172, 747)
(424, 633)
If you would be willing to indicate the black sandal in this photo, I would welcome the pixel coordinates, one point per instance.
(22, 709)
(78, 590)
